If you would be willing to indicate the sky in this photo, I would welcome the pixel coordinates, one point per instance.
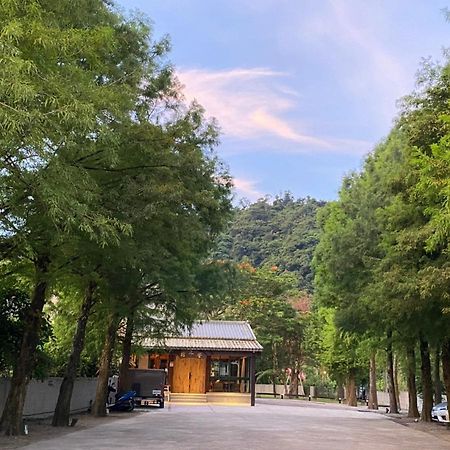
(302, 89)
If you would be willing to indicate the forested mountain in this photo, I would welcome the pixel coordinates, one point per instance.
(281, 233)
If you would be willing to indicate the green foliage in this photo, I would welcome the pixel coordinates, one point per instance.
(63, 312)
(104, 171)
(434, 187)
(266, 301)
(14, 304)
(273, 242)
(68, 75)
(382, 260)
(336, 350)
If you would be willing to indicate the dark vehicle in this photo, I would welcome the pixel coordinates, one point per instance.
(149, 386)
(124, 402)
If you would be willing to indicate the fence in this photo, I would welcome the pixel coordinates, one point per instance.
(383, 397)
(268, 389)
(42, 396)
(383, 400)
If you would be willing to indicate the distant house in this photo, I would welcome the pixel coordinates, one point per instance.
(211, 362)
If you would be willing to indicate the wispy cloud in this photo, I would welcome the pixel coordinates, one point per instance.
(368, 65)
(252, 104)
(382, 63)
(247, 189)
(281, 128)
(246, 102)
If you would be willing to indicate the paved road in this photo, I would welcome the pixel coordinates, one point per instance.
(270, 425)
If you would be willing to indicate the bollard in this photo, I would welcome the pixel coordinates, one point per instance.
(72, 421)
(309, 397)
(340, 400)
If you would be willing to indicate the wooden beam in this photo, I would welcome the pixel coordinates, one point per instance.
(224, 353)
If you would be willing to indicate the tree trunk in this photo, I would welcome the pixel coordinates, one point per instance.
(287, 380)
(393, 406)
(124, 379)
(62, 410)
(373, 398)
(11, 421)
(446, 366)
(293, 387)
(397, 390)
(301, 388)
(101, 394)
(413, 411)
(274, 369)
(437, 376)
(427, 385)
(351, 388)
(340, 390)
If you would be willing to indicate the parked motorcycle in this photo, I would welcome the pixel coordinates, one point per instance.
(124, 402)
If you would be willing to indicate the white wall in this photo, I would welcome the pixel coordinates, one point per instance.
(42, 395)
(383, 400)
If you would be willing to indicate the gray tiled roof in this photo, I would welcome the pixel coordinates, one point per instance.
(212, 335)
(220, 329)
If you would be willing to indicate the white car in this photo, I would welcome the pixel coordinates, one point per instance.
(439, 412)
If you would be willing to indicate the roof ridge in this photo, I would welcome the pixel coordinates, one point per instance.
(210, 338)
(221, 321)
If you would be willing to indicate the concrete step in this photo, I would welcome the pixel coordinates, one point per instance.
(188, 398)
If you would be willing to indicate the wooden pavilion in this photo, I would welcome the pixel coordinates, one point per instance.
(213, 361)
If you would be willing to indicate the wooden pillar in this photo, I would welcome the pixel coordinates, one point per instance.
(208, 373)
(252, 380)
(242, 375)
(171, 363)
(143, 361)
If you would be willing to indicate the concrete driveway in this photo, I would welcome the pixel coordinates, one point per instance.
(270, 425)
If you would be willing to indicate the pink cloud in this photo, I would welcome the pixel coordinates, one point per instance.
(247, 189)
(284, 130)
(252, 104)
(233, 96)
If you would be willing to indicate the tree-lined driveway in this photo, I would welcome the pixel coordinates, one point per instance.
(270, 425)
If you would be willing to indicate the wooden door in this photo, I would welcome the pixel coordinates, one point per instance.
(180, 381)
(189, 375)
(197, 375)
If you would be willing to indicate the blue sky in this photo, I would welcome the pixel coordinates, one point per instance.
(302, 89)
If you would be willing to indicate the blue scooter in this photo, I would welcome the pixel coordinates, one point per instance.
(124, 402)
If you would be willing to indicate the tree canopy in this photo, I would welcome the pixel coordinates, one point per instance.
(111, 191)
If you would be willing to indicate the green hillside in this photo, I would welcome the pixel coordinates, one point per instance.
(281, 233)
